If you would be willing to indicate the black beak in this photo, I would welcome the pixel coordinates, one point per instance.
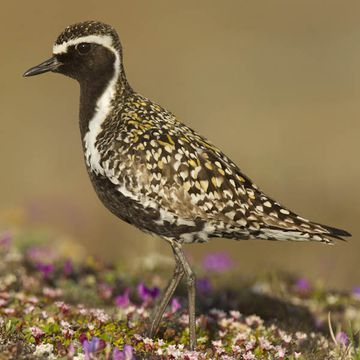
(48, 65)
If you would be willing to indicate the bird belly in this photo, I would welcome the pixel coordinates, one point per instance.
(147, 218)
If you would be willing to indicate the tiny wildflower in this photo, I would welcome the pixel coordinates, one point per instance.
(93, 346)
(52, 292)
(217, 262)
(249, 356)
(253, 320)
(45, 269)
(203, 285)
(175, 305)
(302, 285)
(123, 301)
(5, 239)
(146, 293)
(64, 308)
(36, 332)
(41, 253)
(126, 354)
(44, 351)
(105, 291)
(356, 292)
(342, 338)
(68, 267)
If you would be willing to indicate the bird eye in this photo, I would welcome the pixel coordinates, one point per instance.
(83, 48)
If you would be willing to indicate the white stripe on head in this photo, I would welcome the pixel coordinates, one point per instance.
(104, 40)
(103, 104)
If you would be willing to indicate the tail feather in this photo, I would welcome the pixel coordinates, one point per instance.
(335, 232)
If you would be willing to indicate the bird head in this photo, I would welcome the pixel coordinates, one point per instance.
(84, 51)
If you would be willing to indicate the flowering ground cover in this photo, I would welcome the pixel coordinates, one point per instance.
(56, 306)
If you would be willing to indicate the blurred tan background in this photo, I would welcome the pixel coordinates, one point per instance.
(275, 84)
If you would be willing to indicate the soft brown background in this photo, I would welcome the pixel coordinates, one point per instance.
(275, 84)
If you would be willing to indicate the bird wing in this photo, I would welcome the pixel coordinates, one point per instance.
(187, 177)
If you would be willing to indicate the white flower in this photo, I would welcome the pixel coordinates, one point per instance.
(235, 314)
(79, 356)
(249, 356)
(45, 351)
(253, 320)
(265, 343)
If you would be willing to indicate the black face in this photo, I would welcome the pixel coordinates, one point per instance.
(86, 62)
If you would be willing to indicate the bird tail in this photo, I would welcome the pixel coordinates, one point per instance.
(326, 237)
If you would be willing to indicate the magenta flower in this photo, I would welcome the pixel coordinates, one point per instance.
(146, 293)
(175, 305)
(217, 262)
(126, 354)
(82, 338)
(342, 338)
(123, 300)
(203, 285)
(302, 285)
(45, 269)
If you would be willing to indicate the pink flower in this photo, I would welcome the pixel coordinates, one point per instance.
(175, 305)
(64, 308)
(36, 332)
(342, 338)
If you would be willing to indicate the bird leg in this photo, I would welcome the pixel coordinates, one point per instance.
(168, 293)
(190, 279)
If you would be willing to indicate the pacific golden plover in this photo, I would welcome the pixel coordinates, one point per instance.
(156, 173)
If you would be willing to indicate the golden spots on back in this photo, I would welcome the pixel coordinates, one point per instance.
(204, 184)
(209, 165)
(192, 163)
(186, 185)
(240, 178)
(171, 141)
(217, 181)
(250, 194)
(221, 171)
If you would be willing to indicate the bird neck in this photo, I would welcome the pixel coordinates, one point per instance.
(98, 95)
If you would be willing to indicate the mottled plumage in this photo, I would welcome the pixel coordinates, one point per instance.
(154, 172)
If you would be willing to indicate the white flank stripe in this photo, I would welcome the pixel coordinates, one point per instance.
(103, 104)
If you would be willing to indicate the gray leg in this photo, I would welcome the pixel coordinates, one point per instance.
(168, 293)
(190, 279)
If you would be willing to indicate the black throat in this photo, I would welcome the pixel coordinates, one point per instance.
(91, 89)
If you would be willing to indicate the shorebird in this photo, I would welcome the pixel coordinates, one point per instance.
(156, 173)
